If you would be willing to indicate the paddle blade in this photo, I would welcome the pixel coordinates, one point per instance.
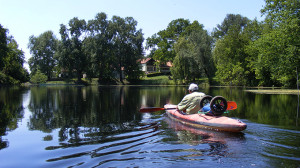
(150, 109)
(231, 105)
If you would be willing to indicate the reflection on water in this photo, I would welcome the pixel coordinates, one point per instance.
(11, 106)
(122, 143)
(72, 107)
(60, 126)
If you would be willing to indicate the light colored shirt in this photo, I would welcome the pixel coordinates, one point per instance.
(191, 102)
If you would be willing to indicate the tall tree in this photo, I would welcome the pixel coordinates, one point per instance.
(230, 55)
(162, 43)
(43, 49)
(71, 54)
(11, 60)
(134, 52)
(193, 54)
(64, 50)
(99, 46)
(278, 49)
(3, 45)
(229, 21)
(127, 45)
(14, 62)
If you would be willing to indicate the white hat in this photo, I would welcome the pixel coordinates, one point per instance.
(193, 87)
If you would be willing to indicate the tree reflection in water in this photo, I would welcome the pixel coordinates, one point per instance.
(11, 110)
(101, 126)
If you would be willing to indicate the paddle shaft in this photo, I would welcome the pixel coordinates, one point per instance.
(153, 109)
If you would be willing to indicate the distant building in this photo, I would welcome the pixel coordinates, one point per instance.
(147, 65)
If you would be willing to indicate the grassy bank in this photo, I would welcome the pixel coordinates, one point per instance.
(167, 80)
(156, 80)
(275, 91)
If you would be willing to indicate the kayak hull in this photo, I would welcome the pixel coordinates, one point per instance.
(218, 123)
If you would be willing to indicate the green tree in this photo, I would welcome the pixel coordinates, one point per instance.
(38, 77)
(43, 49)
(63, 54)
(251, 33)
(193, 54)
(71, 54)
(278, 48)
(3, 46)
(231, 55)
(14, 62)
(127, 46)
(11, 60)
(229, 21)
(161, 44)
(99, 46)
(134, 51)
(229, 58)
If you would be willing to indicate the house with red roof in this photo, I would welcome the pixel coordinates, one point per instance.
(148, 65)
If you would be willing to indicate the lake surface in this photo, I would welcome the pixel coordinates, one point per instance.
(70, 126)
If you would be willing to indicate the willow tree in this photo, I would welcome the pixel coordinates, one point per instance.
(193, 54)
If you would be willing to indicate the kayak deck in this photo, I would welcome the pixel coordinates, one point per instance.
(218, 123)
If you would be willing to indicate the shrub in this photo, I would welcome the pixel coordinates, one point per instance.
(38, 78)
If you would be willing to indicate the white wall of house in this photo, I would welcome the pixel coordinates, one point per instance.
(144, 67)
(148, 68)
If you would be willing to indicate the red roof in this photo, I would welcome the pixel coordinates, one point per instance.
(145, 60)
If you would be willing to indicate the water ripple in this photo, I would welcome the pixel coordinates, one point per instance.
(111, 144)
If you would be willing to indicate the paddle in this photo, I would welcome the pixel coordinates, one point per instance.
(153, 109)
(231, 105)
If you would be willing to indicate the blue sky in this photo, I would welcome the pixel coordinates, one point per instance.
(24, 18)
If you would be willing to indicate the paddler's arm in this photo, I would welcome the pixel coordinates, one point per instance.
(182, 106)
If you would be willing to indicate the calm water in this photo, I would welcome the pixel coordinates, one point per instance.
(58, 126)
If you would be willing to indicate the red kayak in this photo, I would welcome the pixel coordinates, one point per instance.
(218, 123)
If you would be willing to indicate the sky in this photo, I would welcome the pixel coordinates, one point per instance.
(24, 18)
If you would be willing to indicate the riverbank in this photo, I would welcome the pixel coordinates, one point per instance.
(275, 91)
(154, 80)
(163, 80)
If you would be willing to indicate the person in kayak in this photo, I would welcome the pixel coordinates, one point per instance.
(191, 102)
